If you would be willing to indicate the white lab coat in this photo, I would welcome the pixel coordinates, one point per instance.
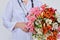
(14, 14)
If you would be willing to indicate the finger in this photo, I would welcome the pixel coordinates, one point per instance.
(25, 29)
(28, 29)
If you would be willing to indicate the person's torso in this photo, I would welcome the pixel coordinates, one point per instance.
(19, 16)
(18, 13)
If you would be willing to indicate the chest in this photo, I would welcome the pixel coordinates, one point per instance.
(23, 9)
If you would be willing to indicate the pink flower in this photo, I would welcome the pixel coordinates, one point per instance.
(58, 29)
(36, 11)
(29, 23)
(43, 6)
(58, 36)
(31, 18)
(30, 26)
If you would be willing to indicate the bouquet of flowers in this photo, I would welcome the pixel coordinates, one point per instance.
(45, 21)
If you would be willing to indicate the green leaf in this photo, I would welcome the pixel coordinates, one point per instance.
(40, 26)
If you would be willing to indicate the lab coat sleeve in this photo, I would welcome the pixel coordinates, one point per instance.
(8, 15)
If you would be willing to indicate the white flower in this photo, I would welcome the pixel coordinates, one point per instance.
(57, 15)
(48, 21)
(36, 23)
(58, 19)
(35, 38)
(39, 31)
(55, 25)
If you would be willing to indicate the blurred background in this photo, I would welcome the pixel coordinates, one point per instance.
(6, 34)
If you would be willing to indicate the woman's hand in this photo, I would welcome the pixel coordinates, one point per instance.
(22, 26)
